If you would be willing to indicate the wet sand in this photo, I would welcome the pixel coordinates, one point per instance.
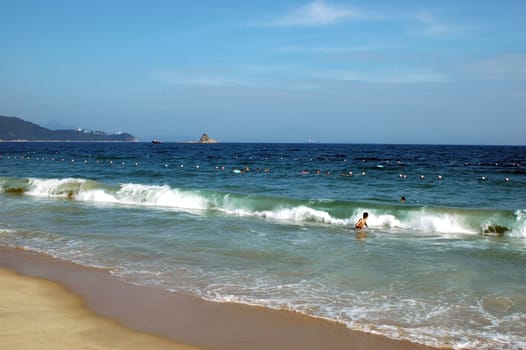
(169, 319)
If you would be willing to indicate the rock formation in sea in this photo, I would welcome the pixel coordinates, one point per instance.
(205, 139)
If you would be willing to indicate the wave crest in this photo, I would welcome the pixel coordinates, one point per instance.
(335, 213)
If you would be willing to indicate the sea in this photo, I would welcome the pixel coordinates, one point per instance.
(272, 225)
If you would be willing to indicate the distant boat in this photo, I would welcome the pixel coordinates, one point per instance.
(156, 141)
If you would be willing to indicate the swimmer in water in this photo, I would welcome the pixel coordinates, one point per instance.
(363, 221)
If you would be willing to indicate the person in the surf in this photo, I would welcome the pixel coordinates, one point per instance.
(363, 221)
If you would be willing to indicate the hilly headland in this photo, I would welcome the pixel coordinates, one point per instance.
(16, 129)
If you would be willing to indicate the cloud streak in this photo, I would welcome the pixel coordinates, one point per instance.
(431, 25)
(317, 13)
(291, 79)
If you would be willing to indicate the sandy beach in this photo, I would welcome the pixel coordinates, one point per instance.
(38, 314)
(49, 303)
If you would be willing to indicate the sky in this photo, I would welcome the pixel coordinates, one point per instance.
(415, 72)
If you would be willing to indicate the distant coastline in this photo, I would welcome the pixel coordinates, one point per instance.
(14, 129)
(70, 141)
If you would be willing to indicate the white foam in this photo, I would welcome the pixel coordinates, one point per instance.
(129, 194)
(148, 195)
(441, 223)
(54, 187)
(97, 196)
(300, 214)
(421, 220)
(520, 229)
(382, 220)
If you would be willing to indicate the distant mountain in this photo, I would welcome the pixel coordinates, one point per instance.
(16, 129)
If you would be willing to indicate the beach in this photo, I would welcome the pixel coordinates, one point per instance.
(38, 314)
(50, 303)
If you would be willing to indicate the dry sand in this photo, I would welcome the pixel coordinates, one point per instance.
(38, 314)
(42, 314)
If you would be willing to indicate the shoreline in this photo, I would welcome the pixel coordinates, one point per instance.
(184, 319)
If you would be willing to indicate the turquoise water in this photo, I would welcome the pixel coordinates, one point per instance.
(446, 268)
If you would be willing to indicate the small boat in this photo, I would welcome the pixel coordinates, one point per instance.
(156, 141)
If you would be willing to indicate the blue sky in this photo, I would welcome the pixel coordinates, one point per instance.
(448, 72)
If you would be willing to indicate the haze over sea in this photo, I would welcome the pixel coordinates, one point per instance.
(273, 225)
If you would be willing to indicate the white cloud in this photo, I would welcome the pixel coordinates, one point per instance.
(434, 26)
(250, 76)
(289, 79)
(398, 76)
(316, 13)
(204, 76)
(330, 49)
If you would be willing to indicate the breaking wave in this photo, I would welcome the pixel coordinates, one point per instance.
(442, 220)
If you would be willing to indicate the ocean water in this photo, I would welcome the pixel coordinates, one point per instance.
(445, 268)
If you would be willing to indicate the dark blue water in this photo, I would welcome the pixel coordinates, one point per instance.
(273, 225)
